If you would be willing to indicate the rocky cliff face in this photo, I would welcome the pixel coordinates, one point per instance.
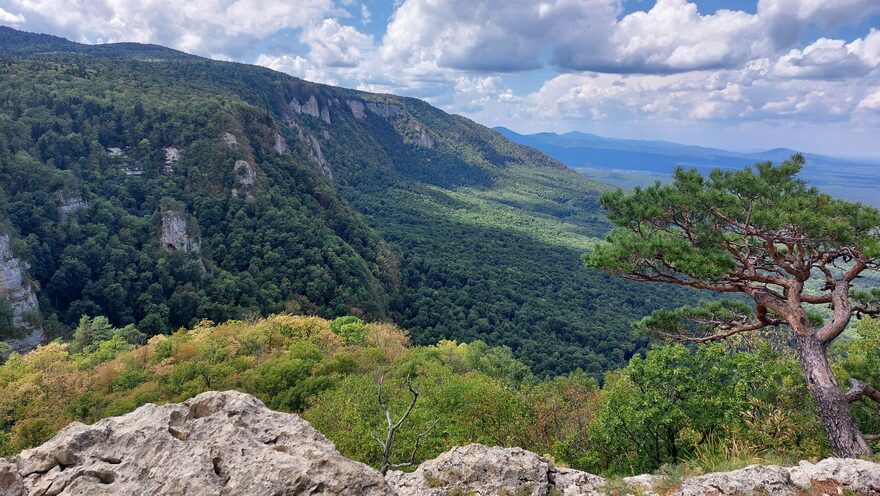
(230, 443)
(175, 233)
(21, 296)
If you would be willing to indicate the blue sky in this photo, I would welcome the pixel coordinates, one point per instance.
(738, 74)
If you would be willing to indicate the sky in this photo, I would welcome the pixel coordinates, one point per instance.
(744, 75)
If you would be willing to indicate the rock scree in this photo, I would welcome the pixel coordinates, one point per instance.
(230, 443)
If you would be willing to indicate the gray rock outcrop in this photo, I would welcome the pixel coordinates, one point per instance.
(312, 108)
(245, 173)
(71, 205)
(225, 443)
(279, 145)
(481, 471)
(230, 140)
(176, 233)
(228, 443)
(172, 155)
(357, 109)
(420, 135)
(21, 295)
(386, 110)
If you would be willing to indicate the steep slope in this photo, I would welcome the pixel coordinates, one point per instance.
(159, 188)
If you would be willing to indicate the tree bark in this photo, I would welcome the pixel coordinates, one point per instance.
(831, 402)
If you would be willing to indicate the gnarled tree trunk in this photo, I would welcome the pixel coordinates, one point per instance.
(846, 439)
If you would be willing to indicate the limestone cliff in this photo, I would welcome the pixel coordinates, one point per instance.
(177, 234)
(20, 293)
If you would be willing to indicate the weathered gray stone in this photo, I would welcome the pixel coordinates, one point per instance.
(229, 443)
(280, 145)
(214, 444)
(10, 481)
(576, 483)
(172, 155)
(769, 480)
(175, 233)
(21, 296)
(855, 475)
(386, 110)
(421, 136)
(230, 140)
(318, 157)
(245, 172)
(71, 205)
(643, 484)
(479, 470)
(357, 109)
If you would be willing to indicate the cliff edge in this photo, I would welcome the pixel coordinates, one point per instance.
(226, 443)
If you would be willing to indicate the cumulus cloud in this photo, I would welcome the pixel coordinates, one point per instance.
(832, 59)
(334, 45)
(749, 94)
(10, 18)
(469, 34)
(589, 35)
(671, 37)
(212, 27)
(871, 102)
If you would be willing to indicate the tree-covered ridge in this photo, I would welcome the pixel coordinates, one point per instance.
(300, 197)
(701, 409)
(89, 222)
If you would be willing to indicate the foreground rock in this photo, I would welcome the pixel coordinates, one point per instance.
(216, 443)
(229, 444)
(482, 471)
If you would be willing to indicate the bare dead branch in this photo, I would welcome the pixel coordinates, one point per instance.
(387, 445)
(412, 454)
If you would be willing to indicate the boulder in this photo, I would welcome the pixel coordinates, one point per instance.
(853, 475)
(478, 470)
(767, 480)
(218, 443)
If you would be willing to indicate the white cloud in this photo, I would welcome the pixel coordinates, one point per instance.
(832, 59)
(486, 35)
(10, 18)
(204, 27)
(334, 45)
(735, 95)
(671, 37)
(871, 102)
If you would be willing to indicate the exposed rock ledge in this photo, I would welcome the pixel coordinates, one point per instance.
(230, 443)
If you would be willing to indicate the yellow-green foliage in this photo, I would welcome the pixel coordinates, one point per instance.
(283, 360)
(690, 409)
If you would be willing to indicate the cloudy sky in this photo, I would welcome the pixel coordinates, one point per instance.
(739, 74)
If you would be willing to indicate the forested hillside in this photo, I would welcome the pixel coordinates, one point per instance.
(158, 189)
(725, 407)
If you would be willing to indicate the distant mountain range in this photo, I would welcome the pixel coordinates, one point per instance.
(628, 163)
